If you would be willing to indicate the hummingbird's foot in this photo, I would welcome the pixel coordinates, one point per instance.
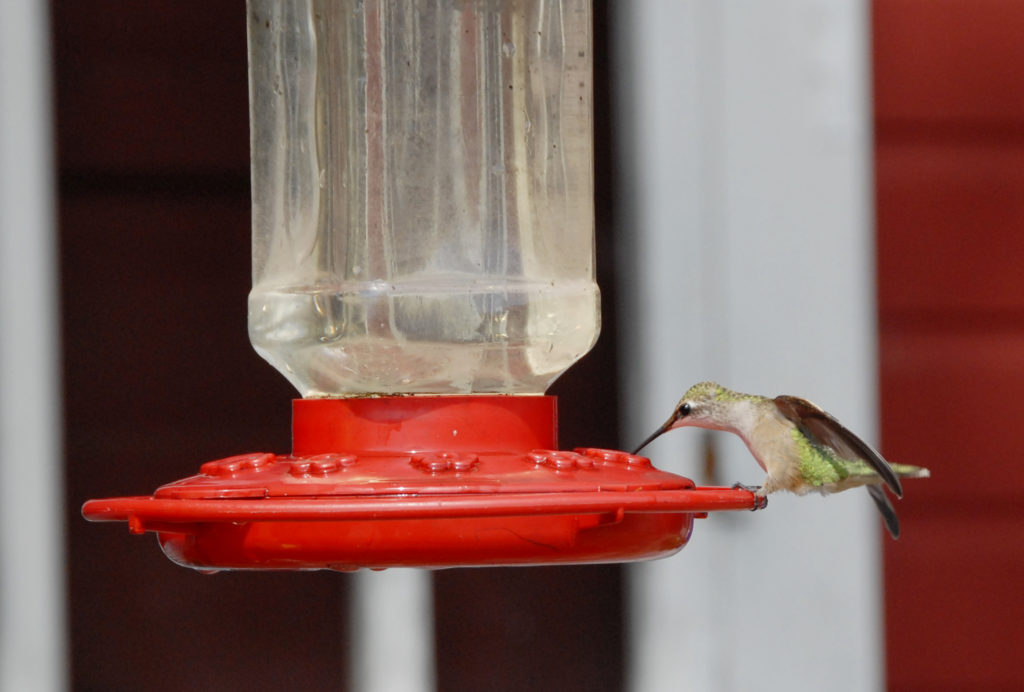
(761, 501)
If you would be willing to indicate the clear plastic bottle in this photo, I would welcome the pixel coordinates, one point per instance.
(422, 193)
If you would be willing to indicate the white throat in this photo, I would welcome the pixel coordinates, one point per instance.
(744, 416)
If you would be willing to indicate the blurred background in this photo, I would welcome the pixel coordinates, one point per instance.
(806, 196)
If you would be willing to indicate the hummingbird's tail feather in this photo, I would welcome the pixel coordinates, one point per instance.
(908, 471)
(892, 522)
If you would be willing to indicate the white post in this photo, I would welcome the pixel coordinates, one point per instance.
(392, 631)
(32, 618)
(747, 241)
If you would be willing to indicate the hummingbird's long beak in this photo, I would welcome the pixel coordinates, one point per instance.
(663, 429)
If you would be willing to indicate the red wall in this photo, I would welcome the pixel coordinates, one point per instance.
(949, 115)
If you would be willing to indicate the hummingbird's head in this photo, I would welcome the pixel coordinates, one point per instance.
(705, 405)
(702, 406)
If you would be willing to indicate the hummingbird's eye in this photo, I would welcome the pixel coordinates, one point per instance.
(684, 410)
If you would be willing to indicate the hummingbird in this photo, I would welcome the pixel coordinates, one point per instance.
(800, 446)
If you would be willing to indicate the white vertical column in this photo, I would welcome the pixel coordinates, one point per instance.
(392, 631)
(32, 630)
(747, 237)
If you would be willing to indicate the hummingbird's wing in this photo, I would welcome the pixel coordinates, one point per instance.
(885, 507)
(821, 426)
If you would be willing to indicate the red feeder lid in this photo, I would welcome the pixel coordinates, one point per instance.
(421, 482)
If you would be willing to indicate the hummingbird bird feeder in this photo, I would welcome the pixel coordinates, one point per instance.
(423, 269)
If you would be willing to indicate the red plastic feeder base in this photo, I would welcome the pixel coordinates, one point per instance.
(421, 482)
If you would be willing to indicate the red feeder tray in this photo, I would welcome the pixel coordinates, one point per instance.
(421, 482)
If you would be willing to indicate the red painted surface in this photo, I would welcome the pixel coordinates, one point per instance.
(150, 84)
(954, 61)
(949, 115)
